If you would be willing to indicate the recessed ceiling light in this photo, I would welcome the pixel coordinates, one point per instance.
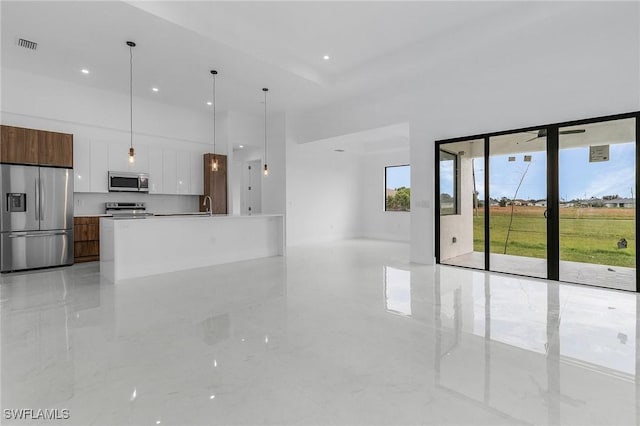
(155, 89)
(84, 71)
(209, 103)
(326, 57)
(241, 146)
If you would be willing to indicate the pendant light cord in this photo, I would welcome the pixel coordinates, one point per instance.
(214, 115)
(131, 94)
(265, 126)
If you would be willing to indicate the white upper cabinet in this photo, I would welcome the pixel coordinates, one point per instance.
(141, 162)
(197, 173)
(81, 166)
(99, 165)
(118, 157)
(183, 172)
(169, 172)
(156, 171)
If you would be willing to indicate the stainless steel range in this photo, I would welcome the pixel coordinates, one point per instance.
(36, 219)
(127, 210)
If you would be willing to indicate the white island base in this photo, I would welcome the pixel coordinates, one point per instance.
(132, 248)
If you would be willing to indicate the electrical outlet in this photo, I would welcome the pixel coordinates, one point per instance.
(454, 240)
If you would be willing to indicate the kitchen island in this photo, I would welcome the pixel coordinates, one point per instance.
(132, 248)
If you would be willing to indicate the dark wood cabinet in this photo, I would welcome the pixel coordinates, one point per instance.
(28, 146)
(18, 145)
(55, 149)
(86, 238)
(215, 183)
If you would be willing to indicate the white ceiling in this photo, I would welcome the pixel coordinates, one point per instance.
(593, 134)
(252, 44)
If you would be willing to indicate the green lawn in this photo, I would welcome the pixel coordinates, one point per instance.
(586, 235)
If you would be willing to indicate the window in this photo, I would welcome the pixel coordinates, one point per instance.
(397, 188)
(448, 183)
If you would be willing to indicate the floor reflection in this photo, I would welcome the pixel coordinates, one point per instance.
(397, 289)
(563, 349)
(343, 333)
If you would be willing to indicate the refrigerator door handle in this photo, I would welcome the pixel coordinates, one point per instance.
(36, 234)
(42, 198)
(37, 195)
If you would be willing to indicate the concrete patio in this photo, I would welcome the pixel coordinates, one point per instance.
(616, 277)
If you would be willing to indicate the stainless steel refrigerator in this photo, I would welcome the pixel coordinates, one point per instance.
(36, 226)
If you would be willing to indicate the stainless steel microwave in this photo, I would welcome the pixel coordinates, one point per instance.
(128, 182)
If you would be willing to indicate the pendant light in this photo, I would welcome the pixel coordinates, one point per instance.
(132, 152)
(266, 168)
(214, 163)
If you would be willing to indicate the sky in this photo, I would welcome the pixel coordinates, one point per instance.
(398, 176)
(579, 178)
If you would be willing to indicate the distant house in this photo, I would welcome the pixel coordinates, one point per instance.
(540, 203)
(391, 192)
(622, 203)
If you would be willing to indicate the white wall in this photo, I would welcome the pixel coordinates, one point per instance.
(240, 159)
(39, 97)
(274, 186)
(93, 115)
(324, 194)
(377, 223)
(459, 225)
(554, 68)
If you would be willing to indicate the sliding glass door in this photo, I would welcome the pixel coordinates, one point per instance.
(555, 202)
(462, 203)
(597, 175)
(517, 198)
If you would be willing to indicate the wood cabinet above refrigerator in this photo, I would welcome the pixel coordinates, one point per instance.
(28, 146)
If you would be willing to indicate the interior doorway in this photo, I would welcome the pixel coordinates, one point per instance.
(251, 194)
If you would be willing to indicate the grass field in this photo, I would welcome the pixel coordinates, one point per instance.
(587, 235)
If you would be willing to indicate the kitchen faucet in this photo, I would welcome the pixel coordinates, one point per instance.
(204, 203)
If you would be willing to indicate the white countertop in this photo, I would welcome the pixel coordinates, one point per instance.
(192, 216)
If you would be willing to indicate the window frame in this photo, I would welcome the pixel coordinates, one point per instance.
(456, 183)
(384, 189)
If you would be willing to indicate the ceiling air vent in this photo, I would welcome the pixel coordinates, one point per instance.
(27, 44)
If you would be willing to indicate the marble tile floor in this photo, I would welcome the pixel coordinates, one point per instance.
(342, 333)
(615, 277)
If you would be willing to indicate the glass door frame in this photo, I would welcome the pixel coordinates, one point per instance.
(553, 192)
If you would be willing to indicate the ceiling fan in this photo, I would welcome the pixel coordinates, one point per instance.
(542, 133)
